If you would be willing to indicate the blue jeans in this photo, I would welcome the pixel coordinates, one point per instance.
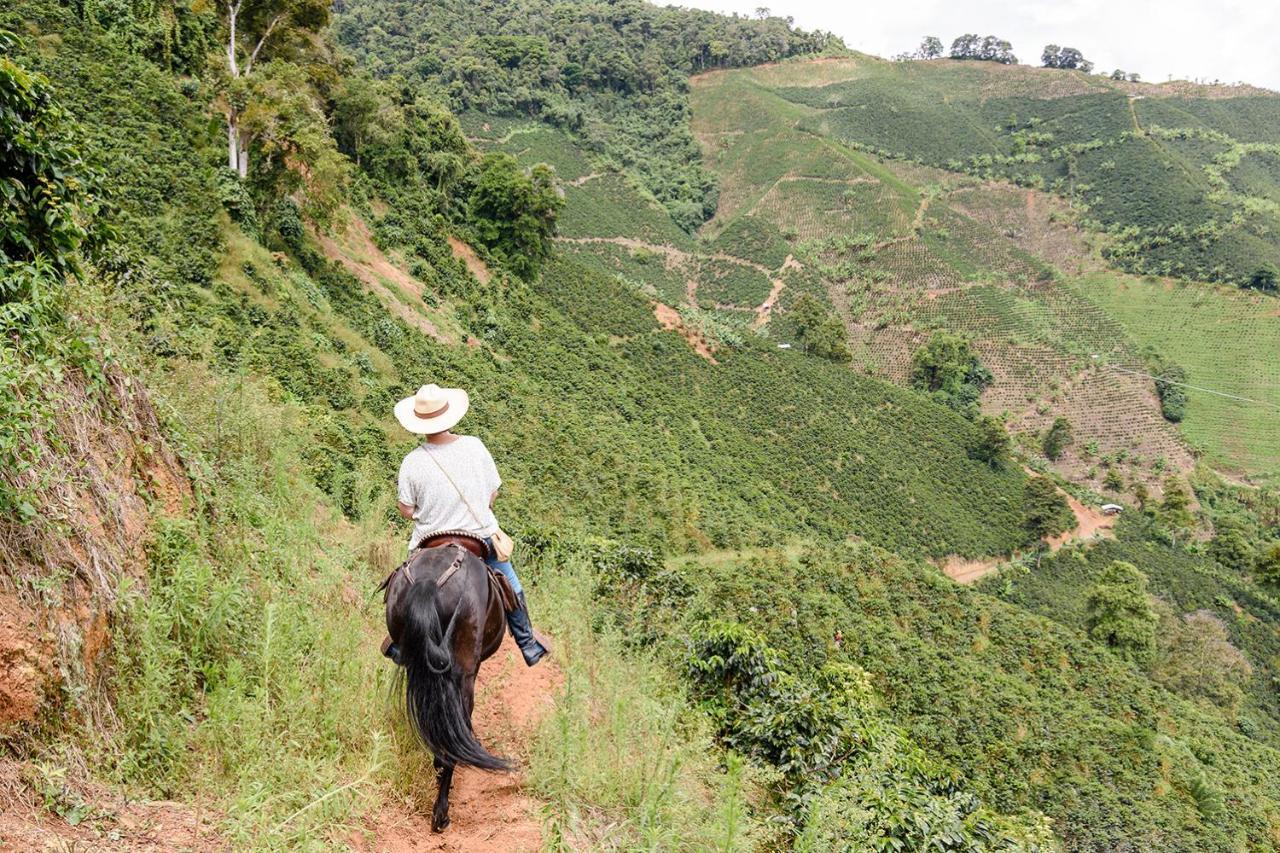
(504, 566)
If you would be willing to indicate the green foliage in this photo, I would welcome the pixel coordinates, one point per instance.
(949, 370)
(1045, 511)
(989, 49)
(1119, 615)
(1231, 547)
(514, 213)
(1195, 658)
(1056, 438)
(1171, 383)
(1020, 711)
(993, 443)
(47, 194)
(615, 74)
(819, 330)
(1265, 277)
(48, 205)
(1267, 568)
(848, 774)
(1175, 509)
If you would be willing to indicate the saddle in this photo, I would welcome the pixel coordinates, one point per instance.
(498, 584)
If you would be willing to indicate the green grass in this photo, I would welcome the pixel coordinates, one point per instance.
(248, 670)
(1226, 340)
(622, 761)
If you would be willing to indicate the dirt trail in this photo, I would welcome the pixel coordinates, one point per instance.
(490, 812)
(765, 309)
(674, 258)
(107, 819)
(671, 320)
(1090, 524)
(672, 255)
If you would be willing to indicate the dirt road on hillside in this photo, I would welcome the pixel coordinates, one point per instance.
(1090, 524)
(490, 812)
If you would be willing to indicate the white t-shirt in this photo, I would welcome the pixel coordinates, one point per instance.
(436, 504)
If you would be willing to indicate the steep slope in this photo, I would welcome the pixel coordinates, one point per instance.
(904, 248)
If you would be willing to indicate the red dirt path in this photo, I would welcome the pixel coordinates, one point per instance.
(490, 812)
(1090, 524)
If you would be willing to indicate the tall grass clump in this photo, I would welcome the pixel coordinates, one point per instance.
(247, 672)
(621, 761)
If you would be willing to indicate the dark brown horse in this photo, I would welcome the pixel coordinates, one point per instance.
(447, 617)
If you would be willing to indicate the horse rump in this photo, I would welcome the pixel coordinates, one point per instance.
(433, 690)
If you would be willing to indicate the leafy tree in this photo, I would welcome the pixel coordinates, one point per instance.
(513, 213)
(1230, 545)
(1267, 568)
(1064, 57)
(992, 445)
(364, 115)
(255, 30)
(1171, 382)
(819, 329)
(287, 123)
(985, 48)
(1113, 481)
(1195, 657)
(1057, 438)
(1175, 509)
(947, 368)
(930, 48)
(1265, 277)
(1045, 512)
(1118, 614)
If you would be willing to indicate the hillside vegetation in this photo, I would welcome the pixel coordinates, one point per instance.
(729, 539)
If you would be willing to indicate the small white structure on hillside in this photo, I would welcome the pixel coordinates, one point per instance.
(1112, 509)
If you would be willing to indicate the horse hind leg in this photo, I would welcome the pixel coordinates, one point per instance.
(444, 781)
(444, 772)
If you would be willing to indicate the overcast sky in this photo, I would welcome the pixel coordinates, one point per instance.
(1227, 40)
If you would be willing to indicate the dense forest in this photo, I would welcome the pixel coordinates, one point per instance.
(218, 279)
(616, 73)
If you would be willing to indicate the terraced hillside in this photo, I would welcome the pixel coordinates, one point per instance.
(808, 156)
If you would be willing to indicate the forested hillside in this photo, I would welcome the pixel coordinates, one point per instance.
(749, 376)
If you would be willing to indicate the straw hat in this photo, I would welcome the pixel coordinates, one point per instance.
(433, 409)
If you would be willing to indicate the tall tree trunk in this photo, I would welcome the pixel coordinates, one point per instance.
(233, 141)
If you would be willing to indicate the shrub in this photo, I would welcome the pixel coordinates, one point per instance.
(1119, 615)
(947, 368)
(1057, 438)
(1045, 511)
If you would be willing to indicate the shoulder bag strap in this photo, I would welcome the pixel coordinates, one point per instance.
(470, 508)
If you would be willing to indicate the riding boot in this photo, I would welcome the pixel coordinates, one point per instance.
(391, 650)
(532, 646)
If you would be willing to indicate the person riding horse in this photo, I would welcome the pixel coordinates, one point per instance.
(447, 486)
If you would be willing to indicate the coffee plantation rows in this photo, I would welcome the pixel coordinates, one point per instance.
(1226, 340)
(905, 248)
(1120, 150)
(1133, 766)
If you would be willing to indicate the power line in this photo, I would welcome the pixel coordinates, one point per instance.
(1195, 387)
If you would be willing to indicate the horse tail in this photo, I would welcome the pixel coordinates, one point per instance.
(433, 694)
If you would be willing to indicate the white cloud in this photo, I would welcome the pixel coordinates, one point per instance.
(1227, 40)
